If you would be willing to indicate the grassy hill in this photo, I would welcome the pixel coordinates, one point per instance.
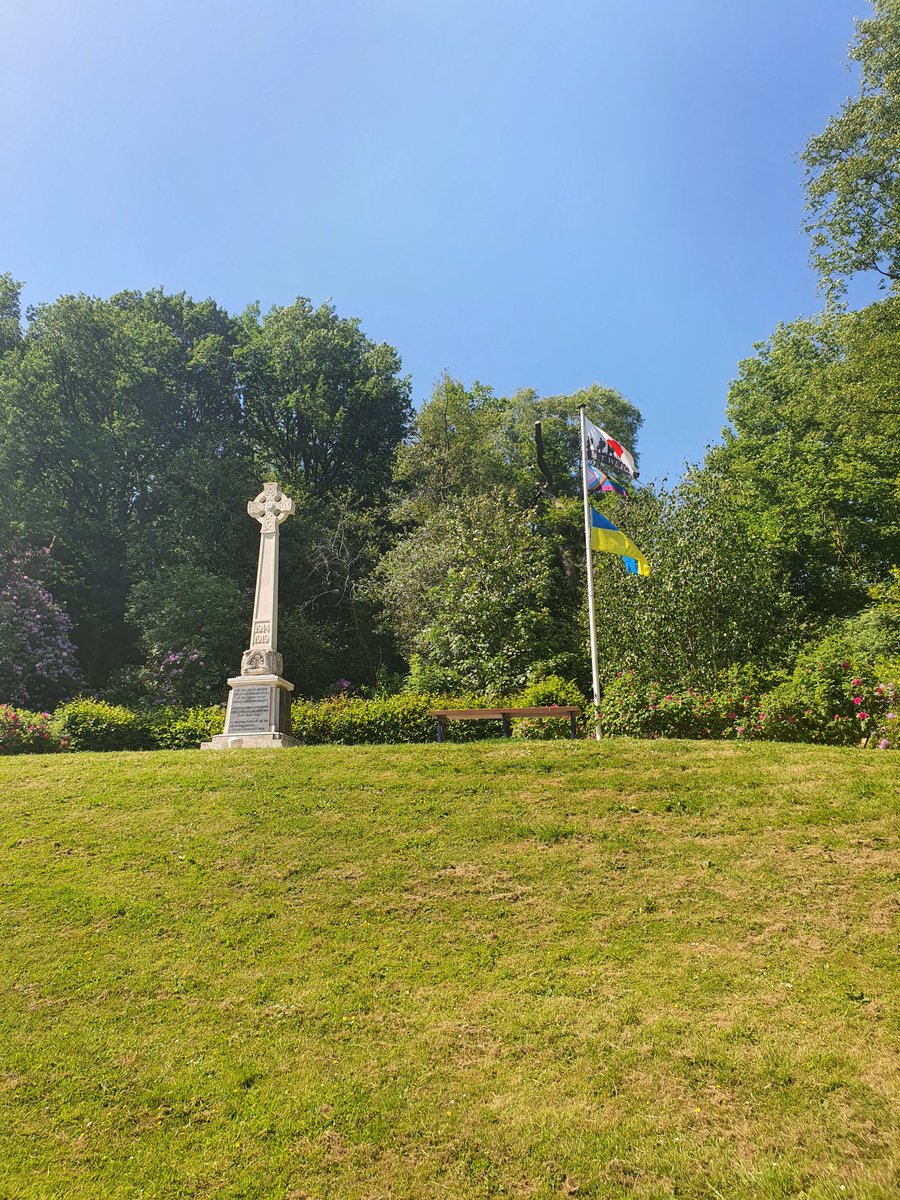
(494, 970)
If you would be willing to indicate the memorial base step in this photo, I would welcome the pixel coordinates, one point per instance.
(250, 741)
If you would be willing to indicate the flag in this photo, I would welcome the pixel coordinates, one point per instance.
(606, 453)
(609, 538)
(600, 481)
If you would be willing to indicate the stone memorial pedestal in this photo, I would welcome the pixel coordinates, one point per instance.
(259, 703)
(258, 714)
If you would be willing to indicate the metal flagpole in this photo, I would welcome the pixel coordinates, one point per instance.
(590, 576)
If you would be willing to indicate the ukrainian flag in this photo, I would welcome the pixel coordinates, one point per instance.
(609, 538)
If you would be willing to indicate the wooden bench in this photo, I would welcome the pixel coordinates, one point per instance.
(443, 715)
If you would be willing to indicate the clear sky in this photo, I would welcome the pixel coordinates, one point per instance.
(532, 193)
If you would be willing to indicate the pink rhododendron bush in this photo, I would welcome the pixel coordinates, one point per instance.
(37, 657)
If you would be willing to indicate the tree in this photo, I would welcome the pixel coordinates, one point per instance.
(814, 451)
(453, 450)
(193, 626)
(120, 446)
(10, 313)
(325, 407)
(468, 487)
(853, 165)
(471, 593)
(466, 441)
(715, 598)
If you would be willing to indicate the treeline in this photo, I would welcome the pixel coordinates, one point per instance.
(428, 552)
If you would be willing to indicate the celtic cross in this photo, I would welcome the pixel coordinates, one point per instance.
(271, 507)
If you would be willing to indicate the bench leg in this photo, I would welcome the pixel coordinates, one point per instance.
(440, 730)
(506, 729)
(571, 725)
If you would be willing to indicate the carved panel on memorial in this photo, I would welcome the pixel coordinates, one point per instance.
(261, 662)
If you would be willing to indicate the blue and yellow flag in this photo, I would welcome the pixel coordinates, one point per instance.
(609, 538)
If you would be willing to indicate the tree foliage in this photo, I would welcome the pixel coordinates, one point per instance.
(131, 437)
(471, 592)
(814, 450)
(324, 407)
(853, 165)
(716, 598)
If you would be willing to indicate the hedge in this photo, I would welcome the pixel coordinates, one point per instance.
(89, 724)
(837, 702)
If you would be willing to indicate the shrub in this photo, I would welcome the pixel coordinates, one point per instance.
(631, 708)
(352, 721)
(886, 735)
(24, 732)
(836, 701)
(37, 658)
(401, 718)
(88, 724)
(544, 693)
(184, 728)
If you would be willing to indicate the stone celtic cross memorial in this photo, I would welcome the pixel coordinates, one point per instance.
(259, 703)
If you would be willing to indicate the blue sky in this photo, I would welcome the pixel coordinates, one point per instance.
(529, 194)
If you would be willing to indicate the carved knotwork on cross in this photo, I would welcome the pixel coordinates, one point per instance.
(271, 507)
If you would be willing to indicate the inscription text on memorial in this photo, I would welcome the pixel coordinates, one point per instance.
(250, 710)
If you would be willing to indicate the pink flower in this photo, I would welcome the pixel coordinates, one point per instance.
(883, 744)
(857, 699)
(856, 682)
(863, 716)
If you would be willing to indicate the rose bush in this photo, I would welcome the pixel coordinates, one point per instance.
(24, 732)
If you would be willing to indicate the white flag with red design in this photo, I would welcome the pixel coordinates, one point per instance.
(606, 453)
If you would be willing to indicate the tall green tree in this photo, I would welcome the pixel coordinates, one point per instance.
(465, 441)
(119, 439)
(10, 313)
(853, 165)
(454, 449)
(717, 596)
(470, 591)
(813, 448)
(325, 407)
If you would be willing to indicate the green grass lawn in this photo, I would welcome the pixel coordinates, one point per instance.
(493, 970)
